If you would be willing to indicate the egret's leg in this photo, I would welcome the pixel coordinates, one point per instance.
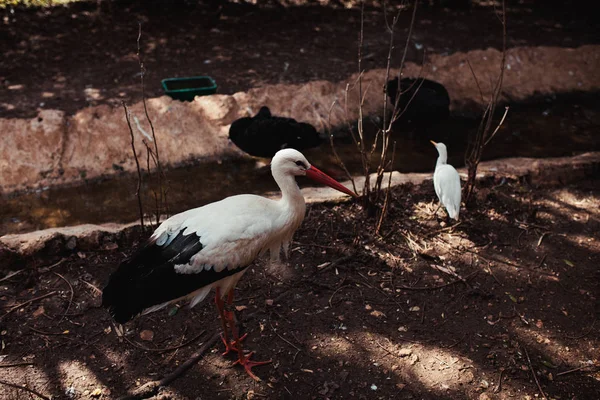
(243, 360)
(224, 322)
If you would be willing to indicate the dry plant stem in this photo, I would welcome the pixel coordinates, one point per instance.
(534, 375)
(11, 275)
(363, 154)
(387, 195)
(38, 394)
(386, 127)
(137, 165)
(166, 349)
(161, 199)
(484, 133)
(573, 370)
(335, 153)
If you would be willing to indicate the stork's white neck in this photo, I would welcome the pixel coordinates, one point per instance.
(291, 197)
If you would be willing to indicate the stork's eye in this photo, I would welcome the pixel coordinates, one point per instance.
(301, 164)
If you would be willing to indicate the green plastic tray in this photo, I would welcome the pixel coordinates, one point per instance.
(186, 89)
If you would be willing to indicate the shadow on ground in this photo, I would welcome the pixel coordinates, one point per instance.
(424, 311)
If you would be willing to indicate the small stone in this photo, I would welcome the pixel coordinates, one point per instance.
(147, 335)
(405, 352)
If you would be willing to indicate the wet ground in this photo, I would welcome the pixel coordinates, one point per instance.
(546, 127)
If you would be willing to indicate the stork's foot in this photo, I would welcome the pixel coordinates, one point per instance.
(247, 364)
(230, 346)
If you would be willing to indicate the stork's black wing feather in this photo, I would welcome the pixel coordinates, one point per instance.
(149, 278)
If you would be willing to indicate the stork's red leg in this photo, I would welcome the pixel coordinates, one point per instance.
(243, 359)
(225, 319)
(231, 318)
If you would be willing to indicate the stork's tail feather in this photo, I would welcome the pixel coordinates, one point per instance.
(118, 299)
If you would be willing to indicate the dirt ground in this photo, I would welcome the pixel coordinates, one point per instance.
(504, 305)
(423, 311)
(68, 58)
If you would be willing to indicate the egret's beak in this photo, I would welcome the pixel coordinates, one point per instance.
(434, 143)
(316, 175)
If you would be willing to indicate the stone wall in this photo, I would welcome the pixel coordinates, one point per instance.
(55, 148)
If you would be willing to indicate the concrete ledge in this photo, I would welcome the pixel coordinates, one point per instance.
(57, 241)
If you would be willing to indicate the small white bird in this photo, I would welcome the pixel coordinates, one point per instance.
(446, 182)
(211, 247)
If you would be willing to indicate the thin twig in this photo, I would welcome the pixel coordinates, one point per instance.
(463, 280)
(21, 364)
(444, 229)
(384, 349)
(161, 201)
(70, 299)
(534, 375)
(13, 385)
(282, 338)
(27, 302)
(498, 387)
(337, 262)
(11, 275)
(334, 293)
(51, 267)
(151, 388)
(335, 153)
(92, 286)
(387, 194)
(46, 333)
(137, 164)
(573, 370)
(166, 349)
(584, 334)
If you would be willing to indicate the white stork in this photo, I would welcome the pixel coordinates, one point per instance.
(211, 247)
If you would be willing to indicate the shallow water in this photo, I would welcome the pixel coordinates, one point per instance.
(560, 126)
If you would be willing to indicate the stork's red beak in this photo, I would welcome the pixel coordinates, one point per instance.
(321, 177)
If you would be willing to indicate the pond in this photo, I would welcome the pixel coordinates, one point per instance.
(562, 125)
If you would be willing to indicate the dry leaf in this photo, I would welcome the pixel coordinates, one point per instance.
(569, 263)
(378, 314)
(39, 311)
(96, 393)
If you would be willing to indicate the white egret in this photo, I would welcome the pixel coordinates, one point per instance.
(446, 182)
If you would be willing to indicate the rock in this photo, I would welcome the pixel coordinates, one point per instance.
(30, 149)
(56, 241)
(53, 149)
(405, 352)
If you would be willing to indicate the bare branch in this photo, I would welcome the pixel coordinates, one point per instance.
(137, 165)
